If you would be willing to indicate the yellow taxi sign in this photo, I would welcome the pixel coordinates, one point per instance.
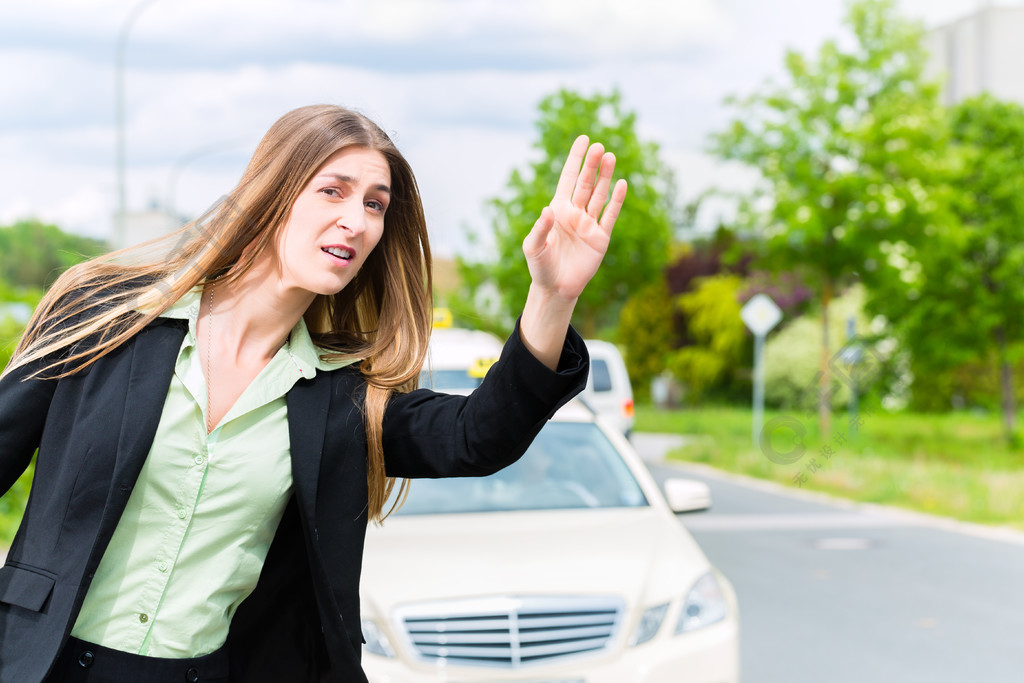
(442, 317)
(480, 367)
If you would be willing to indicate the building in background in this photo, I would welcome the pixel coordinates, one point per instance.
(149, 224)
(981, 52)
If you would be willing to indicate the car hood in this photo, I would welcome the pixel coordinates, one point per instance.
(642, 555)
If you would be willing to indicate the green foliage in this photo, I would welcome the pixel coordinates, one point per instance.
(974, 385)
(848, 149)
(10, 332)
(33, 254)
(956, 293)
(10, 328)
(712, 312)
(645, 329)
(842, 146)
(791, 358)
(639, 247)
(715, 337)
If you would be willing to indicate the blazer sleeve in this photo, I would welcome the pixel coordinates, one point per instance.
(24, 404)
(430, 434)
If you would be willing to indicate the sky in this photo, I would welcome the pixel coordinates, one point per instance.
(455, 83)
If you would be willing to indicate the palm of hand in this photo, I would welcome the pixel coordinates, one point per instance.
(566, 245)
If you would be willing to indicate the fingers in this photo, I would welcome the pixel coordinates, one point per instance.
(588, 176)
(611, 212)
(585, 188)
(604, 181)
(571, 169)
(538, 236)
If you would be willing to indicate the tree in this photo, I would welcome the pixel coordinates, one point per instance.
(33, 254)
(846, 149)
(645, 329)
(713, 322)
(789, 356)
(959, 291)
(639, 246)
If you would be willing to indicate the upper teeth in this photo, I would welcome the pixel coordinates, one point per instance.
(340, 253)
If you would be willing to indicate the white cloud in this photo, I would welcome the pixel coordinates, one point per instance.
(456, 81)
(43, 88)
(392, 35)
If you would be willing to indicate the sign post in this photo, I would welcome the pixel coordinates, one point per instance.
(760, 315)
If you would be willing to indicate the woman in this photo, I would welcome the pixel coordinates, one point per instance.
(218, 425)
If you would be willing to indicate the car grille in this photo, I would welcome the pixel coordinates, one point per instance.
(510, 632)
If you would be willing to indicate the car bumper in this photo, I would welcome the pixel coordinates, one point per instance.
(710, 655)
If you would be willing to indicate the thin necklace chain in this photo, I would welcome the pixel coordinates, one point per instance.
(209, 366)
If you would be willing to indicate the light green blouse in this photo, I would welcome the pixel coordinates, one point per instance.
(191, 543)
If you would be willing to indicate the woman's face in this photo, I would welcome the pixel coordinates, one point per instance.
(335, 222)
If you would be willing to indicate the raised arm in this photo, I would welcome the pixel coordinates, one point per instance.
(566, 246)
(542, 365)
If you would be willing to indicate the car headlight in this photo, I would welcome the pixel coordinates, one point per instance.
(376, 642)
(650, 622)
(704, 605)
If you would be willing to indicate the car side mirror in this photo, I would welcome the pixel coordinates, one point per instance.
(687, 495)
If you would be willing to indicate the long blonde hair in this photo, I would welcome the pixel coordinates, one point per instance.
(382, 317)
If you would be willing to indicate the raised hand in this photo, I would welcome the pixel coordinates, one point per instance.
(566, 245)
(569, 240)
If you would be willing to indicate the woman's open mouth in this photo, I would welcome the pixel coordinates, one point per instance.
(339, 254)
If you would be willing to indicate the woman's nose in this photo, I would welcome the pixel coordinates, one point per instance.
(352, 220)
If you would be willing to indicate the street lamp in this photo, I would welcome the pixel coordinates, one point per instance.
(120, 238)
(184, 160)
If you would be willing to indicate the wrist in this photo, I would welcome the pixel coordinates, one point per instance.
(544, 324)
(550, 303)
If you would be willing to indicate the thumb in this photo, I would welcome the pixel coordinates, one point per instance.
(535, 242)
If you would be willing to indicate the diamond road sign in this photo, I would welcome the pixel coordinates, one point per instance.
(760, 314)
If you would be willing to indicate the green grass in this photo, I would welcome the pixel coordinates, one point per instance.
(957, 465)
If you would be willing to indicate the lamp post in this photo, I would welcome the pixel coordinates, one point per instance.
(181, 162)
(122, 41)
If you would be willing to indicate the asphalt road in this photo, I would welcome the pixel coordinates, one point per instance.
(831, 592)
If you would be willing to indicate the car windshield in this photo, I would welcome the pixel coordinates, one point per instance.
(569, 465)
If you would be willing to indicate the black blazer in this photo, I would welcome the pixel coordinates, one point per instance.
(301, 623)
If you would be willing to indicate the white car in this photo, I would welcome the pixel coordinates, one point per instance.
(458, 359)
(568, 566)
(609, 392)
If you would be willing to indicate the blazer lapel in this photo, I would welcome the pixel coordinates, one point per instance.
(152, 365)
(308, 404)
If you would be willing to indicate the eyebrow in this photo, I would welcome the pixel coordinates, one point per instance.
(349, 179)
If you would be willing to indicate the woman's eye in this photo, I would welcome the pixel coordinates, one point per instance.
(331, 191)
(375, 205)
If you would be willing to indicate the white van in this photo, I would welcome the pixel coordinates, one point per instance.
(609, 392)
